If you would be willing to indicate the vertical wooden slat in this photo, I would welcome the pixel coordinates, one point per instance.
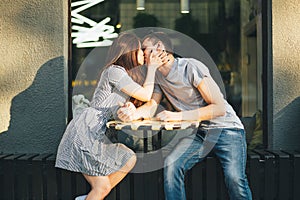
(189, 177)
(124, 188)
(51, 178)
(269, 174)
(38, 177)
(255, 174)
(198, 181)
(2, 172)
(66, 184)
(152, 189)
(157, 145)
(138, 186)
(296, 175)
(9, 176)
(112, 194)
(82, 186)
(59, 183)
(284, 167)
(23, 184)
(211, 180)
(160, 184)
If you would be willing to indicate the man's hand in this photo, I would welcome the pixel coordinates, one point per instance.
(126, 112)
(169, 116)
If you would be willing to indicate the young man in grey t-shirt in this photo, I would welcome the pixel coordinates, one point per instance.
(193, 93)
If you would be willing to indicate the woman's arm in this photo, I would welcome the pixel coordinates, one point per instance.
(144, 93)
(146, 111)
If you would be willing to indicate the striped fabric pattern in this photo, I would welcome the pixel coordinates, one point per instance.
(84, 147)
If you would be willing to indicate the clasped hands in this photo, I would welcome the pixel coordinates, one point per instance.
(128, 112)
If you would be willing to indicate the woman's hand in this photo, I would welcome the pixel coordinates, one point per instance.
(126, 112)
(157, 58)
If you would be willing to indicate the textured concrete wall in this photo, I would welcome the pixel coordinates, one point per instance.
(286, 69)
(33, 51)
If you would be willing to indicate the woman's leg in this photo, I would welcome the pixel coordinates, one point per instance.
(117, 176)
(100, 187)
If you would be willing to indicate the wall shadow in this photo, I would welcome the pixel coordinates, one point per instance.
(38, 114)
(286, 127)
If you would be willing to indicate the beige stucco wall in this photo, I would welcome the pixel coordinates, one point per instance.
(286, 52)
(31, 33)
(286, 72)
(33, 74)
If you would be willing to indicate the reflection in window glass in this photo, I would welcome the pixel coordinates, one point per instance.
(227, 29)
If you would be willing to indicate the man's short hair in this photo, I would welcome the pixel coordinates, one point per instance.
(155, 37)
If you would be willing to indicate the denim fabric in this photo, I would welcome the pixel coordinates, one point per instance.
(229, 145)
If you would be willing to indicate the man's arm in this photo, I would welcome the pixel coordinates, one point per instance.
(213, 97)
(145, 111)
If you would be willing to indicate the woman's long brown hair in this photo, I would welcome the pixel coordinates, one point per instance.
(124, 52)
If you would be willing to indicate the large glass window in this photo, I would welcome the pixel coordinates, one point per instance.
(230, 30)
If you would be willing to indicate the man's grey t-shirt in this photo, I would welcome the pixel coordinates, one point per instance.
(180, 88)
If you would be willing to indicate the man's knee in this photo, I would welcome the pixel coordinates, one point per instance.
(234, 178)
(172, 167)
(171, 161)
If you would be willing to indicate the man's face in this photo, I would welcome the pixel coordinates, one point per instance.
(147, 46)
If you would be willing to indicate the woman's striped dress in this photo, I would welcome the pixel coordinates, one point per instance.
(84, 147)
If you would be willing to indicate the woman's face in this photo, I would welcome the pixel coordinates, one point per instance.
(140, 56)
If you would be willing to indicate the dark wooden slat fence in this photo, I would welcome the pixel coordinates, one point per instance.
(272, 174)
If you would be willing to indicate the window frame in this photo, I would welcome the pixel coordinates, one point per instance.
(267, 75)
(267, 71)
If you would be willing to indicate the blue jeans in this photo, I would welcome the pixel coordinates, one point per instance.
(229, 145)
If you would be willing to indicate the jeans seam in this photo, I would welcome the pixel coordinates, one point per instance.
(191, 155)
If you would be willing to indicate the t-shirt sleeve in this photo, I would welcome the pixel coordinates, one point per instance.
(196, 72)
(118, 77)
(157, 88)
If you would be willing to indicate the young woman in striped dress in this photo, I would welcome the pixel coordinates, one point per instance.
(84, 147)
